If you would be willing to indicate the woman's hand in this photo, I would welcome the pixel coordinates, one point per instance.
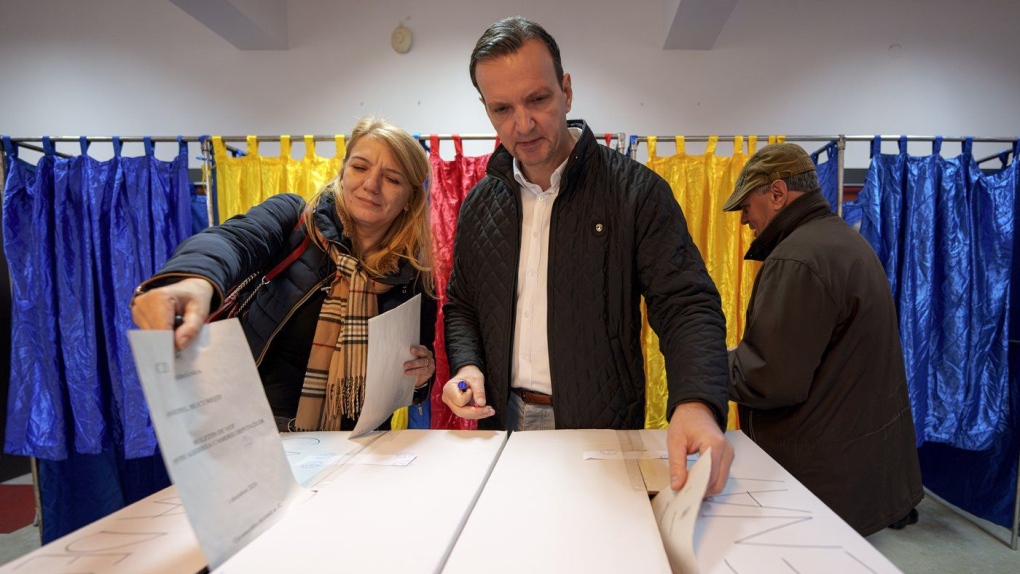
(188, 298)
(423, 367)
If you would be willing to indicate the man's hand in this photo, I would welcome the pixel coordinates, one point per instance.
(692, 428)
(468, 403)
(189, 298)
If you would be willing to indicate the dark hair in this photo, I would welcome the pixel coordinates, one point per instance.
(506, 37)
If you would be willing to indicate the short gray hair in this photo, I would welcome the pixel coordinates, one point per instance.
(807, 181)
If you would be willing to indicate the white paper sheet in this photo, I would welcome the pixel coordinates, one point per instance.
(677, 512)
(387, 388)
(613, 454)
(765, 522)
(217, 434)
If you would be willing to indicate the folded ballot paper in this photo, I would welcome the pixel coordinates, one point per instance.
(217, 435)
(676, 512)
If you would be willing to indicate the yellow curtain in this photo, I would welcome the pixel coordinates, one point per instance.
(701, 184)
(244, 182)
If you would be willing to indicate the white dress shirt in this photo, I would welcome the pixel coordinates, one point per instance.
(530, 364)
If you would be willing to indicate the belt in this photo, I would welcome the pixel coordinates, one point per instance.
(532, 398)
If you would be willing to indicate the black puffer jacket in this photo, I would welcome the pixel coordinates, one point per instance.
(281, 320)
(616, 234)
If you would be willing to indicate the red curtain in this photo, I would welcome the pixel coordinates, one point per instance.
(451, 182)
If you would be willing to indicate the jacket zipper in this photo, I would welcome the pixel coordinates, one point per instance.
(513, 293)
(269, 341)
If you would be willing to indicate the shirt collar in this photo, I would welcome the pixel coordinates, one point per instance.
(557, 174)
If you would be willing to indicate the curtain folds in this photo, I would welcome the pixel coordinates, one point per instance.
(945, 233)
(79, 234)
(246, 181)
(701, 184)
(828, 174)
(451, 182)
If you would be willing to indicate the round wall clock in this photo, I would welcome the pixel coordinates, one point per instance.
(401, 39)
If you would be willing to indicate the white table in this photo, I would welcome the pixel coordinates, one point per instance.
(586, 516)
(474, 501)
(154, 536)
(765, 522)
(378, 518)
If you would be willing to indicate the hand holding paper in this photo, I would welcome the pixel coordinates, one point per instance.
(387, 388)
(677, 511)
(216, 433)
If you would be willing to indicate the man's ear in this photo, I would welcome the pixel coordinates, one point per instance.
(778, 194)
(569, 91)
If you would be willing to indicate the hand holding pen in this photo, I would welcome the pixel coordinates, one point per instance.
(465, 394)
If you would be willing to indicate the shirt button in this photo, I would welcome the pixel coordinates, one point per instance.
(541, 198)
(532, 274)
(534, 234)
(527, 314)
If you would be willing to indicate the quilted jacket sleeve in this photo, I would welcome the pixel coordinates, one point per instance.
(684, 307)
(238, 247)
(463, 331)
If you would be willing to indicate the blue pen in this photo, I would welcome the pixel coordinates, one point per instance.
(462, 385)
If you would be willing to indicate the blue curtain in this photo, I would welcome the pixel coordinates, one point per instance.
(828, 179)
(79, 234)
(199, 210)
(944, 233)
(828, 174)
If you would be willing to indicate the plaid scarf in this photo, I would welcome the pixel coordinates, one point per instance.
(334, 385)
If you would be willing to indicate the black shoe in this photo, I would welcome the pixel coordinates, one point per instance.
(910, 518)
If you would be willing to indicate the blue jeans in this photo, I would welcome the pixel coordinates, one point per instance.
(521, 416)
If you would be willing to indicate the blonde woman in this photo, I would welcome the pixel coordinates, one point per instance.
(368, 250)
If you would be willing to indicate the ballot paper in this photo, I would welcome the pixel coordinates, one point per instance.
(387, 388)
(217, 434)
(676, 513)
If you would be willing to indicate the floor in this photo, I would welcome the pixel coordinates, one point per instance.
(943, 541)
(948, 541)
(21, 541)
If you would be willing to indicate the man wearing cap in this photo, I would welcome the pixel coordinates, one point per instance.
(819, 373)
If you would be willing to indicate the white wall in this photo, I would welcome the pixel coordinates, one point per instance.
(144, 67)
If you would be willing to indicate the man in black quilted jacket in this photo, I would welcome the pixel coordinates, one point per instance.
(554, 250)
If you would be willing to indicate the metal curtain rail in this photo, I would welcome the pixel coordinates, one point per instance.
(696, 138)
(620, 137)
(421, 136)
(702, 138)
(94, 139)
(859, 138)
(190, 139)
